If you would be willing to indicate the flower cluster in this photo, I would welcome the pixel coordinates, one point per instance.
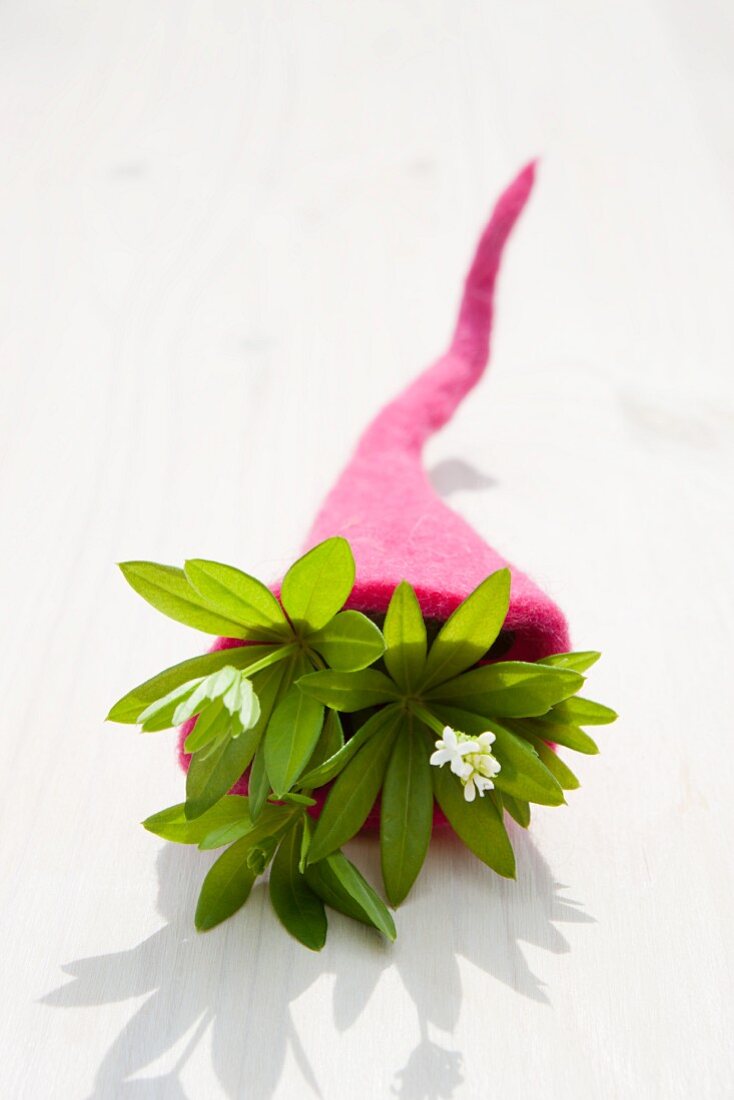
(470, 758)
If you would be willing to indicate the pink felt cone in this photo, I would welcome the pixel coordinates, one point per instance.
(384, 504)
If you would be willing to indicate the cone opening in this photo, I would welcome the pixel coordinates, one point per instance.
(534, 628)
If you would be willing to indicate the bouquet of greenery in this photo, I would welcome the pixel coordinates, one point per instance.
(425, 685)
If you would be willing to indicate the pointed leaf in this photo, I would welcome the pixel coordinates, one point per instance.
(329, 744)
(557, 767)
(405, 637)
(210, 778)
(579, 662)
(213, 771)
(273, 820)
(353, 794)
(226, 887)
(467, 635)
(348, 642)
(300, 909)
(478, 824)
(172, 824)
(349, 691)
(208, 689)
(517, 809)
(341, 886)
(584, 712)
(210, 724)
(295, 798)
(558, 733)
(318, 584)
(128, 708)
(306, 833)
(515, 689)
(291, 737)
(166, 588)
(406, 813)
(238, 596)
(258, 787)
(160, 714)
(331, 767)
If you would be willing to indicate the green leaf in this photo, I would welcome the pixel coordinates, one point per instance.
(341, 886)
(172, 824)
(306, 833)
(334, 764)
(557, 767)
(349, 691)
(559, 733)
(297, 799)
(523, 774)
(583, 712)
(318, 584)
(348, 642)
(226, 887)
(517, 809)
(291, 737)
(235, 692)
(467, 635)
(240, 597)
(160, 714)
(213, 772)
(210, 724)
(258, 785)
(478, 824)
(405, 637)
(128, 709)
(406, 813)
(271, 822)
(300, 909)
(579, 662)
(329, 744)
(224, 835)
(515, 689)
(166, 588)
(207, 691)
(211, 777)
(354, 793)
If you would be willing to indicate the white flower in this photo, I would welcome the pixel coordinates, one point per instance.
(470, 758)
(450, 750)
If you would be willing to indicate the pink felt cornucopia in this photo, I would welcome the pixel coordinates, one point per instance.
(384, 504)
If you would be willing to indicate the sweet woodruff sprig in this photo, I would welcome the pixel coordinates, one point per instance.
(421, 693)
(426, 724)
(275, 730)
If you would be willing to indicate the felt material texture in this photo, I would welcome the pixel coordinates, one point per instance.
(385, 505)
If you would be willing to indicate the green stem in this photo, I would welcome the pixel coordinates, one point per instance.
(278, 654)
(427, 718)
(315, 659)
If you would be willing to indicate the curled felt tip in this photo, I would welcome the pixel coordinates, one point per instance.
(430, 401)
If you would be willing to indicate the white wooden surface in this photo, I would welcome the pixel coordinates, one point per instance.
(229, 231)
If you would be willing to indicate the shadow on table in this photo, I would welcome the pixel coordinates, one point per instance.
(454, 475)
(197, 983)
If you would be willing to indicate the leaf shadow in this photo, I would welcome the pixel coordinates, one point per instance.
(194, 985)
